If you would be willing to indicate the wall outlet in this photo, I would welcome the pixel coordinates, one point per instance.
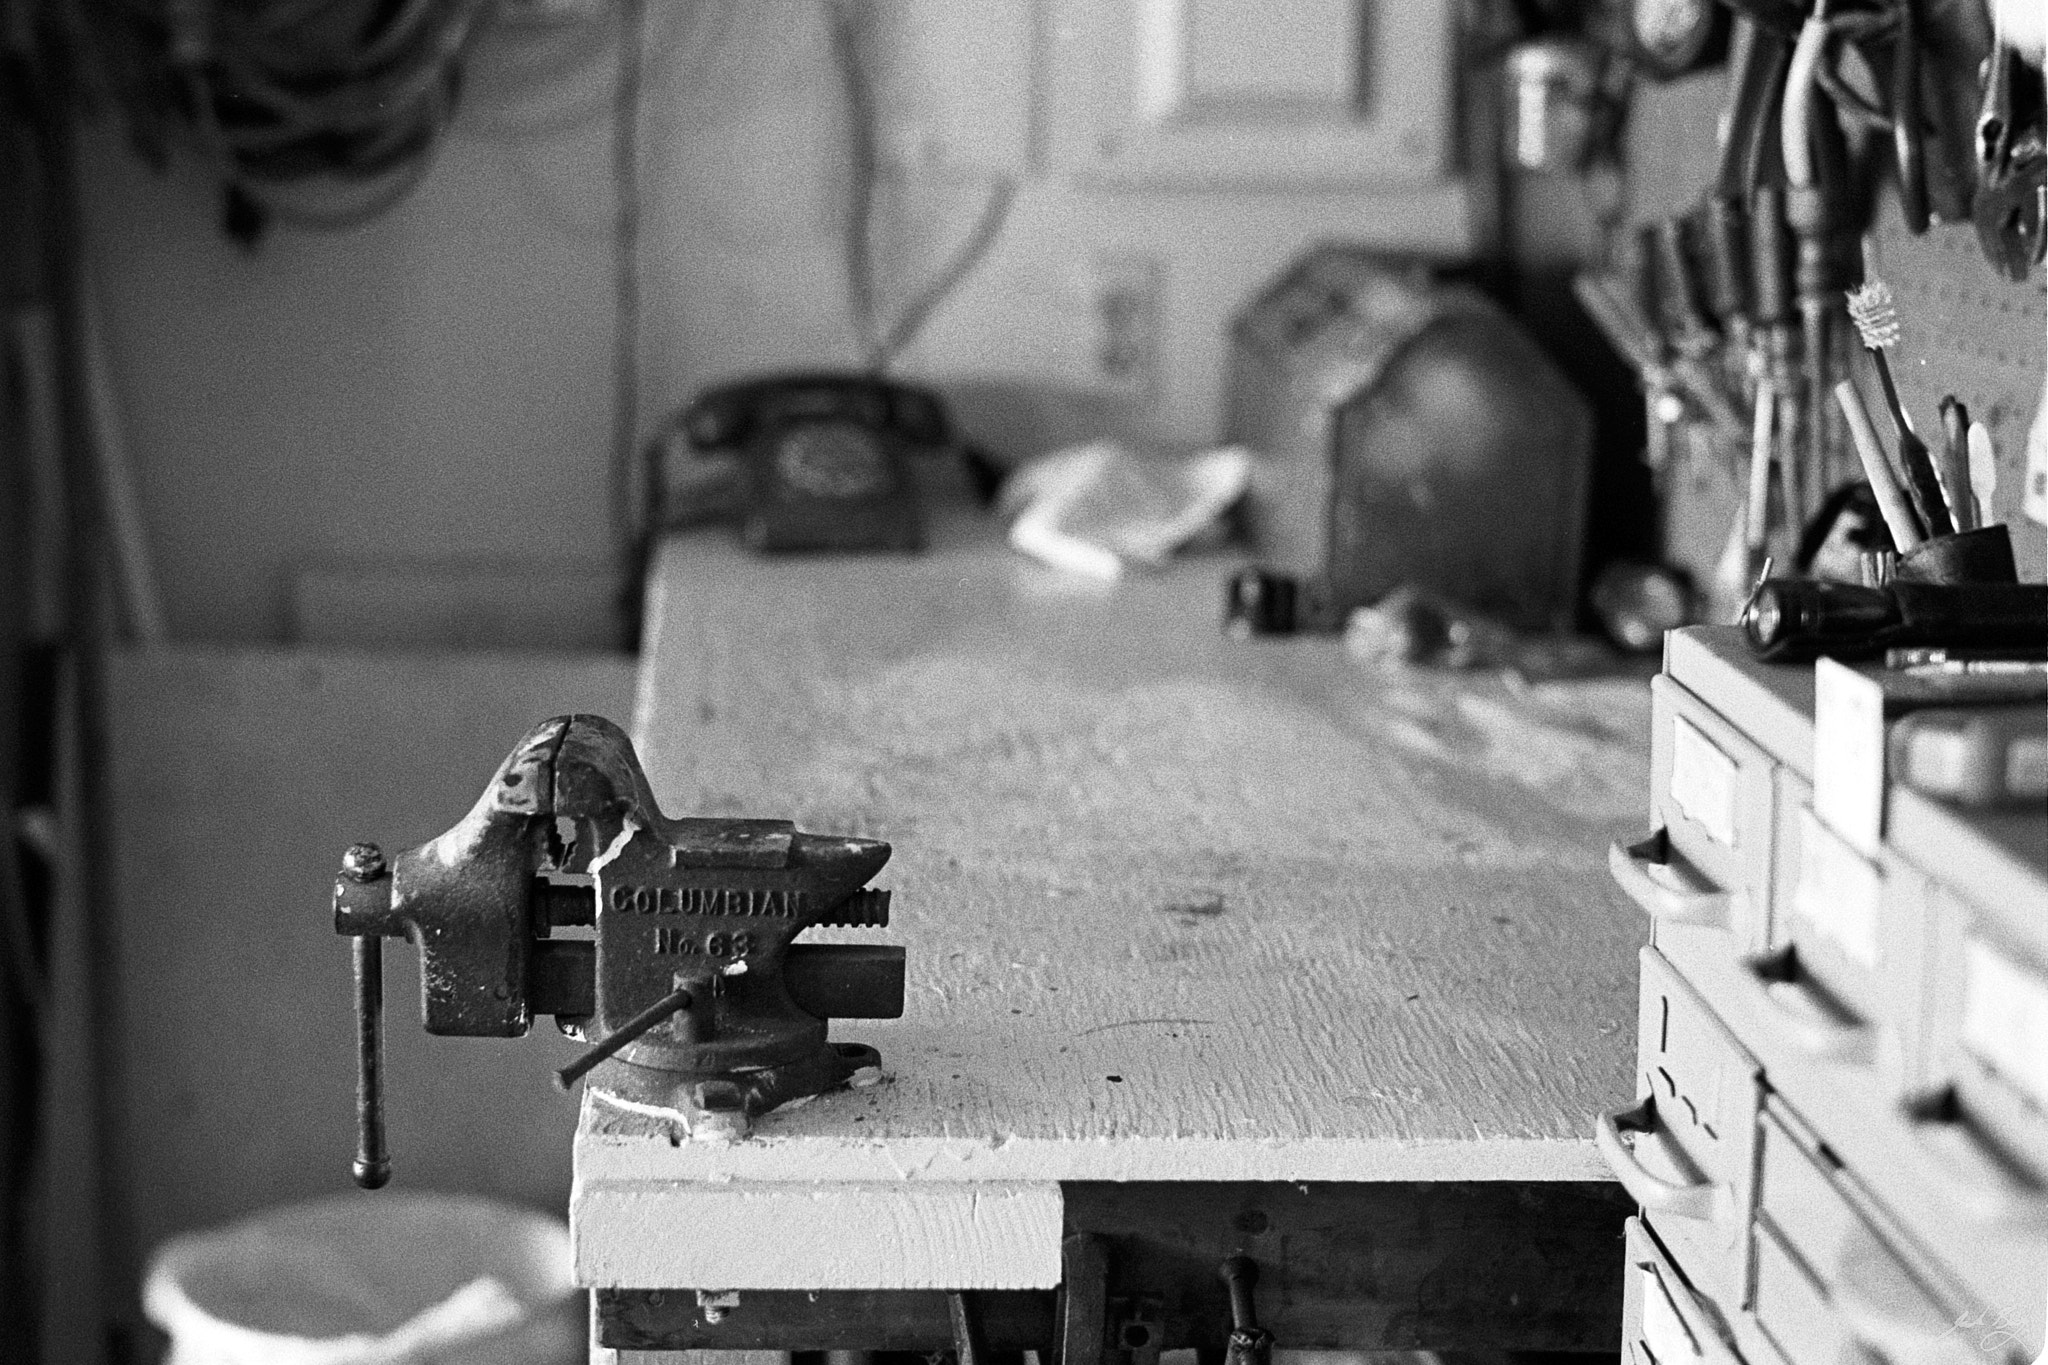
(1126, 291)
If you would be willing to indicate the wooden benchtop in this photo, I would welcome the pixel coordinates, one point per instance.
(1177, 907)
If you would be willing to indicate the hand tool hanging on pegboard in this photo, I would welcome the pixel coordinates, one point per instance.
(1825, 100)
(1749, 252)
(1826, 226)
(2012, 161)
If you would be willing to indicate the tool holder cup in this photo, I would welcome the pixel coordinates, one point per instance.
(667, 943)
(1980, 556)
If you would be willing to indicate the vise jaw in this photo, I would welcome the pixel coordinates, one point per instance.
(668, 942)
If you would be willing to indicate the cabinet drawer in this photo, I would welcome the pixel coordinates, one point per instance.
(1833, 1268)
(1849, 947)
(1684, 1150)
(1663, 1322)
(1791, 808)
(1796, 1195)
(1866, 1309)
(1791, 1308)
(1711, 792)
(1834, 903)
(1990, 1028)
(2004, 1023)
(1889, 1315)
(1981, 1131)
(1858, 922)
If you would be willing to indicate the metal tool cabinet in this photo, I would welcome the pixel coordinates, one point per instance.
(1839, 1143)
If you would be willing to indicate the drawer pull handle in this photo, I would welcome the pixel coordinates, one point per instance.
(1984, 1189)
(1820, 1027)
(1705, 1200)
(1646, 871)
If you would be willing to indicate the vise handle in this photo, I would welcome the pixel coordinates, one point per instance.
(372, 1165)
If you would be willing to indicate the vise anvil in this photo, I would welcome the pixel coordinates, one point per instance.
(669, 943)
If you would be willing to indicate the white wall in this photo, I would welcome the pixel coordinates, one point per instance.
(437, 386)
(237, 777)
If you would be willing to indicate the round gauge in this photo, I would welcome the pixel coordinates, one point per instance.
(1675, 37)
(832, 460)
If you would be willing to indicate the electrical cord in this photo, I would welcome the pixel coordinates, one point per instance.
(575, 54)
(1849, 104)
(1795, 123)
(847, 21)
(246, 193)
(1755, 95)
(989, 226)
(846, 31)
(627, 491)
(1813, 67)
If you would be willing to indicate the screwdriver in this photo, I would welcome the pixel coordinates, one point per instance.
(1816, 155)
(1770, 274)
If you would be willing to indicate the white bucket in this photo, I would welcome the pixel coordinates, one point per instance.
(370, 1279)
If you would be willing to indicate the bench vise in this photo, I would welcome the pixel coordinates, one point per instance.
(668, 943)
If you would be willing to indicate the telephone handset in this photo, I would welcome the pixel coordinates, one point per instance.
(823, 458)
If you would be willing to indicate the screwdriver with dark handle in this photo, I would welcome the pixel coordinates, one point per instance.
(1693, 338)
(1723, 236)
(1678, 293)
(1249, 1344)
(1770, 311)
(1955, 462)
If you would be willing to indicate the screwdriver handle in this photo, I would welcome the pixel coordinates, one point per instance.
(1677, 292)
(1241, 1275)
(1248, 1343)
(1724, 231)
(1640, 276)
(1770, 258)
(1955, 463)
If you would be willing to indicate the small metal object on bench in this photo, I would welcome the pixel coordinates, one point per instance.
(690, 981)
(1263, 601)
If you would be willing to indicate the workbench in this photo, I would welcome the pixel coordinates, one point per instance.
(1214, 945)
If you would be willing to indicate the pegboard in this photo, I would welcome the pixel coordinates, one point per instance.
(1966, 330)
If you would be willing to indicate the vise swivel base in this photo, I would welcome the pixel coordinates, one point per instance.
(669, 943)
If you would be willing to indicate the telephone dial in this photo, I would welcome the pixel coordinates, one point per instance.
(814, 461)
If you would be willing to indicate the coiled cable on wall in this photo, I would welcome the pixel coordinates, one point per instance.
(320, 113)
